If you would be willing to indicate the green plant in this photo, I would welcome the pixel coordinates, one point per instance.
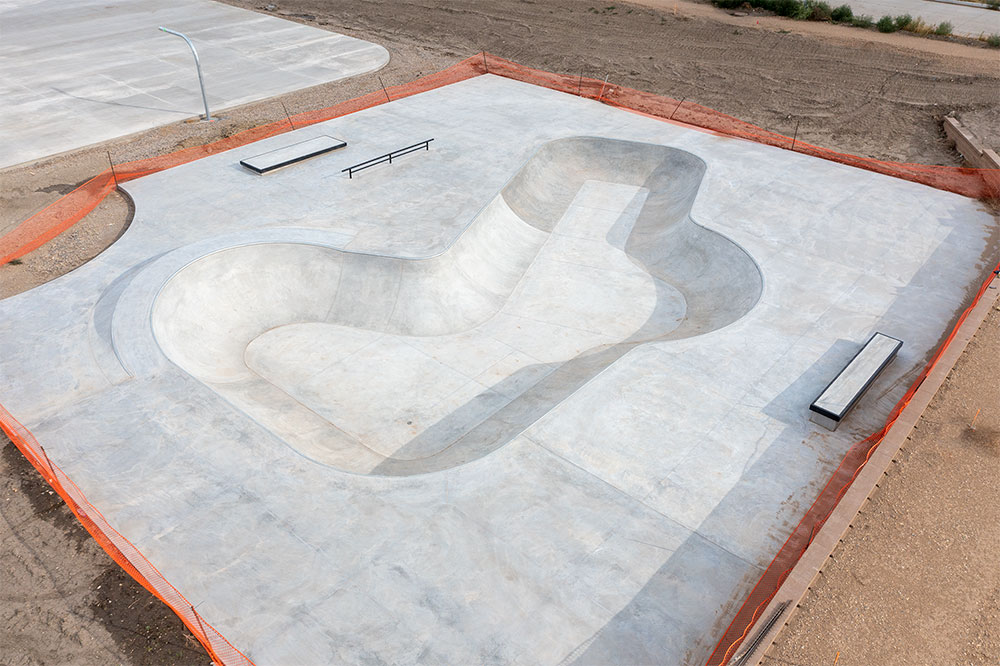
(944, 28)
(993, 4)
(819, 11)
(862, 21)
(14, 262)
(994, 41)
(886, 24)
(789, 8)
(902, 21)
(843, 14)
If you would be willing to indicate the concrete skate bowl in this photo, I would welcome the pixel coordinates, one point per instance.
(396, 366)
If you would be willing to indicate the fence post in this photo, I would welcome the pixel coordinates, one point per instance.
(113, 174)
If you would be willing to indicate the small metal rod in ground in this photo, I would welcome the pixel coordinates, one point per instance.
(579, 86)
(113, 174)
(486, 64)
(796, 134)
(52, 469)
(200, 625)
(384, 90)
(601, 95)
(683, 99)
(287, 117)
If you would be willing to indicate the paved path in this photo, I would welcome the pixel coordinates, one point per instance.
(80, 73)
(970, 21)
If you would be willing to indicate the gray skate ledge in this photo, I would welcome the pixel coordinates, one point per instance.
(833, 404)
(297, 152)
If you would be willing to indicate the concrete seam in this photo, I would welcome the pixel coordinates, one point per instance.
(641, 502)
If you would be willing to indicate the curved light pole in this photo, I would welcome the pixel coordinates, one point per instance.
(197, 63)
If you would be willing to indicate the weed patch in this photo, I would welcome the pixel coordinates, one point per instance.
(886, 24)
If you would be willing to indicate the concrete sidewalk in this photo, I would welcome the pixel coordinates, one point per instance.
(78, 73)
(965, 21)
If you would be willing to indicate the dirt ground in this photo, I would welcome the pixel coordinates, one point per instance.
(883, 96)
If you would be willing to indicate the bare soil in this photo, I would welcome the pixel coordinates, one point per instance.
(882, 96)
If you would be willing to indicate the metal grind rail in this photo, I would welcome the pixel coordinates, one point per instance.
(361, 166)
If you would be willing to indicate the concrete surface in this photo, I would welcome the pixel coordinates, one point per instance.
(78, 73)
(617, 516)
(406, 366)
(967, 21)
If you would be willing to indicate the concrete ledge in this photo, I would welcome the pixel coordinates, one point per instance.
(288, 155)
(969, 146)
(794, 589)
(841, 394)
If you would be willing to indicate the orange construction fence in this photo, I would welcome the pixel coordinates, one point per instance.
(71, 208)
(51, 221)
(118, 547)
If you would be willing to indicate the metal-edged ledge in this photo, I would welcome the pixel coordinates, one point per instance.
(292, 154)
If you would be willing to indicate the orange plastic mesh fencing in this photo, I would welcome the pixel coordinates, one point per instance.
(59, 216)
(62, 214)
(118, 547)
(814, 519)
(976, 183)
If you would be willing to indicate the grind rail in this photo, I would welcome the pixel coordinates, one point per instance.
(360, 166)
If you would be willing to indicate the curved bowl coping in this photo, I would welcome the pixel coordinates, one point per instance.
(719, 280)
(203, 304)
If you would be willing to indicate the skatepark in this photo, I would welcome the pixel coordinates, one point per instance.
(544, 376)
(538, 393)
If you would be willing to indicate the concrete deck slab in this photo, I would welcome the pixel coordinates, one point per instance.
(83, 72)
(588, 455)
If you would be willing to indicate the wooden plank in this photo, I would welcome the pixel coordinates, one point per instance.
(969, 146)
